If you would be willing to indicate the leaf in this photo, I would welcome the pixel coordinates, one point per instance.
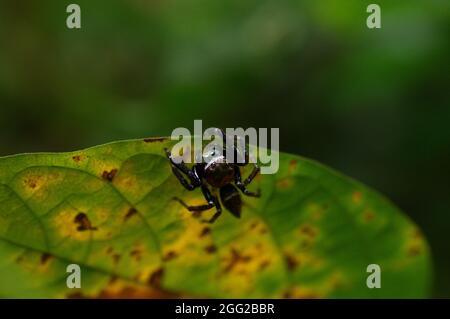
(110, 210)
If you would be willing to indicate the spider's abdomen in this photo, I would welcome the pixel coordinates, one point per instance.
(219, 172)
(231, 199)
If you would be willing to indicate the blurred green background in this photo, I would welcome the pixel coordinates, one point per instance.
(373, 104)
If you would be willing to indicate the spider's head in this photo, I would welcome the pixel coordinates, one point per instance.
(218, 172)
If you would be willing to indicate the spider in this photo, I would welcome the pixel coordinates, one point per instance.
(217, 173)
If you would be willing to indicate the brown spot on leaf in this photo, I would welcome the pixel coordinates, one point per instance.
(291, 262)
(113, 279)
(136, 254)
(308, 230)
(196, 214)
(77, 295)
(417, 234)
(287, 294)
(131, 212)
(45, 257)
(83, 222)
(205, 231)
(127, 292)
(298, 294)
(368, 216)
(109, 176)
(31, 183)
(137, 293)
(116, 258)
(356, 197)
(170, 255)
(264, 264)
(154, 139)
(156, 278)
(210, 249)
(236, 258)
(414, 250)
(285, 183)
(76, 158)
(292, 165)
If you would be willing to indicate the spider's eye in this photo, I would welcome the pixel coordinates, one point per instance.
(211, 154)
(208, 156)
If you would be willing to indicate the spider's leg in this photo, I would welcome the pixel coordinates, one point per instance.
(177, 167)
(190, 208)
(181, 166)
(242, 185)
(182, 180)
(209, 198)
(212, 201)
(252, 175)
(217, 214)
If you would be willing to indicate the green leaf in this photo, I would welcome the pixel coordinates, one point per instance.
(110, 210)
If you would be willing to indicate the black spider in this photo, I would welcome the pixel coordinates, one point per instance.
(218, 173)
